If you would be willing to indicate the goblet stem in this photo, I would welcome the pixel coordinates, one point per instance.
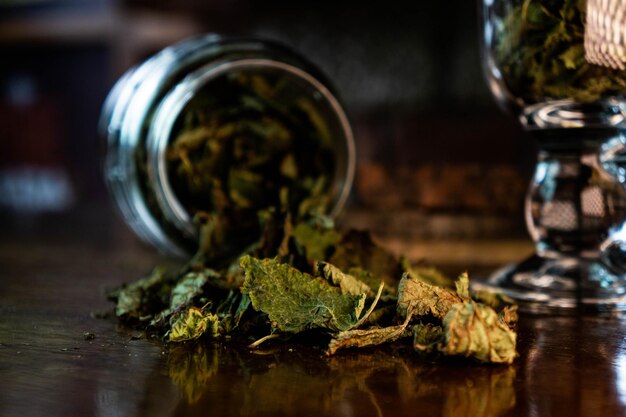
(576, 214)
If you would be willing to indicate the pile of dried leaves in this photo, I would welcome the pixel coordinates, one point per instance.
(540, 51)
(341, 289)
(253, 170)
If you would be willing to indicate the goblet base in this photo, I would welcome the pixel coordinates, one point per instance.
(543, 285)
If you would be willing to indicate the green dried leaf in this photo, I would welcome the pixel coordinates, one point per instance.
(245, 188)
(462, 287)
(143, 298)
(189, 286)
(295, 301)
(370, 337)
(231, 310)
(573, 57)
(186, 289)
(476, 331)
(191, 324)
(426, 299)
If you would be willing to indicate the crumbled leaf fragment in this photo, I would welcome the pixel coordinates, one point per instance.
(509, 316)
(462, 287)
(143, 298)
(231, 310)
(193, 323)
(296, 301)
(502, 304)
(186, 289)
(369, 337)
(428, 300)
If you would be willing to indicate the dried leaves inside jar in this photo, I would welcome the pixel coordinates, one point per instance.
(249, 140)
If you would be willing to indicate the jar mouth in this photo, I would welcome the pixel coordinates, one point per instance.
(172, 107)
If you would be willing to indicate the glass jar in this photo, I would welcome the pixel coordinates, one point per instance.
(560, 67)
(214, 124)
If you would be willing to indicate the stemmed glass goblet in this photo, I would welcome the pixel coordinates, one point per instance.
(560, 67)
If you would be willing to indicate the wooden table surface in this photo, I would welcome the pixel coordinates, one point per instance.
(53, 285)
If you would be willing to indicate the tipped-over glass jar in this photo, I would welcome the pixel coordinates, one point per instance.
(217, 130)
(560, 66)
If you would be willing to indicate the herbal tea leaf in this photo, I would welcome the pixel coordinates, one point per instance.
(296, 301)
(370, 337)
(462, 287)
(191, 324)
(183, 293)
(347, 283)
(143, 298)
(475, 331)
(425, 298)
(231, 310)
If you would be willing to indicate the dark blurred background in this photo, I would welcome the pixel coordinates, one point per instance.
(436, 158)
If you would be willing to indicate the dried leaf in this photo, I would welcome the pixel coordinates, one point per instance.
(191, 324)
(502, 304)
(509, 316)
(370, 337)
(231, 310)
(427, 299)
(186, 289)
(143, 298)
(239, 142)
(462, 287)
(296, 301)
(475, 331)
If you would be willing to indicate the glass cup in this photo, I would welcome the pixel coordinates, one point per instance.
(559, 66)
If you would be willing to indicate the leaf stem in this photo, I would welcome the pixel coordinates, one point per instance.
(257, 343)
